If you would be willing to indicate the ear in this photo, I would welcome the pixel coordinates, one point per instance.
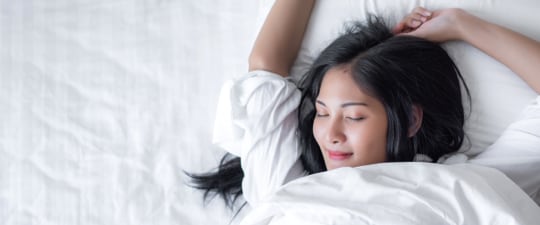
(416, 120)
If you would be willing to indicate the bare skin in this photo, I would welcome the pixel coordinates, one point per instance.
(350, 126)
(281, 35)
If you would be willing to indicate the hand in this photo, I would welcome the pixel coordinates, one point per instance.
(412, 21)
(438, 26)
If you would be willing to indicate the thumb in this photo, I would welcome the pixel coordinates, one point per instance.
(398, 28)
(416, 33)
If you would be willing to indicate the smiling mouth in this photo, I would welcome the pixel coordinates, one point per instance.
(337, 155)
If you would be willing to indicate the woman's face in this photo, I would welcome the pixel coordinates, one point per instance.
(350, 126)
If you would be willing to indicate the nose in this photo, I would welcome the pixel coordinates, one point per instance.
(335, 134)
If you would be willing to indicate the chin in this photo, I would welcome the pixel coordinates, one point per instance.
(331, 167)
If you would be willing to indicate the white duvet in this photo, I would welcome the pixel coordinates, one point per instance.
(399, 193)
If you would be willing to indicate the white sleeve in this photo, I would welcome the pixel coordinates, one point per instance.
(256, 120)
(517, 152)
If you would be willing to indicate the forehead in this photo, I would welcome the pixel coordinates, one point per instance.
(338, 82)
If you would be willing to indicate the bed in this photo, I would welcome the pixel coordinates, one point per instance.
(105, 104)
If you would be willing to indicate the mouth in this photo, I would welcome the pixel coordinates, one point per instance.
(337, 155)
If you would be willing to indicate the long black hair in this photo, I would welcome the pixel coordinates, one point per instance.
(400, 71)
(226, 181)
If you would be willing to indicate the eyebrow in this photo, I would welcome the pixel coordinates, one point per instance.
(346, 104)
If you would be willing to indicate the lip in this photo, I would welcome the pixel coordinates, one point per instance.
(338, 155)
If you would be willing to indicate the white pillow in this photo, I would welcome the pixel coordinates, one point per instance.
(498, 95)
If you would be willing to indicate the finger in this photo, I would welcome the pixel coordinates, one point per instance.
(418, 16)
(414, 23)
(405, 31)
(407, 25)
(422, 11)
(398, 28)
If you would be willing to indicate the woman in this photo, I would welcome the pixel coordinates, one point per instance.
(350, 114)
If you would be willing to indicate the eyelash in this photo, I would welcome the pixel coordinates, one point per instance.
(356, 119)
(321, 115)
(350, 118)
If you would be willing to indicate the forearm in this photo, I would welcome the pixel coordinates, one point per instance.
(281, 35)
(520, 53)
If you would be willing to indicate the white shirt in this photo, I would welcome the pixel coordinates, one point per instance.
(256, 120)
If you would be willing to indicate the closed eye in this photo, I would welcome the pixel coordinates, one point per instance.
(356, 118)
(321, 115)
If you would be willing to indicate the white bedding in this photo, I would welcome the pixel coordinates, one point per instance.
(399, 193)
(104, 104)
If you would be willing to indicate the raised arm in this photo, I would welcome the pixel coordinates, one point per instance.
(520, 53)
(280, 38)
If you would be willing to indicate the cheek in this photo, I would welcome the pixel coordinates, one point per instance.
(369, 136)
(378, 135)
(359, 137)
(317, 131)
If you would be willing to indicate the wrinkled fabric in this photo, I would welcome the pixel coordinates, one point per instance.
(399, 193)
(257, 121)
(517, 152)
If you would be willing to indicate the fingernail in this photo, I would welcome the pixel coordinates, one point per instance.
(424, 19)
(427, 13)
(416, 23)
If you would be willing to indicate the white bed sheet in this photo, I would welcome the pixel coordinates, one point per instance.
(103, 104)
